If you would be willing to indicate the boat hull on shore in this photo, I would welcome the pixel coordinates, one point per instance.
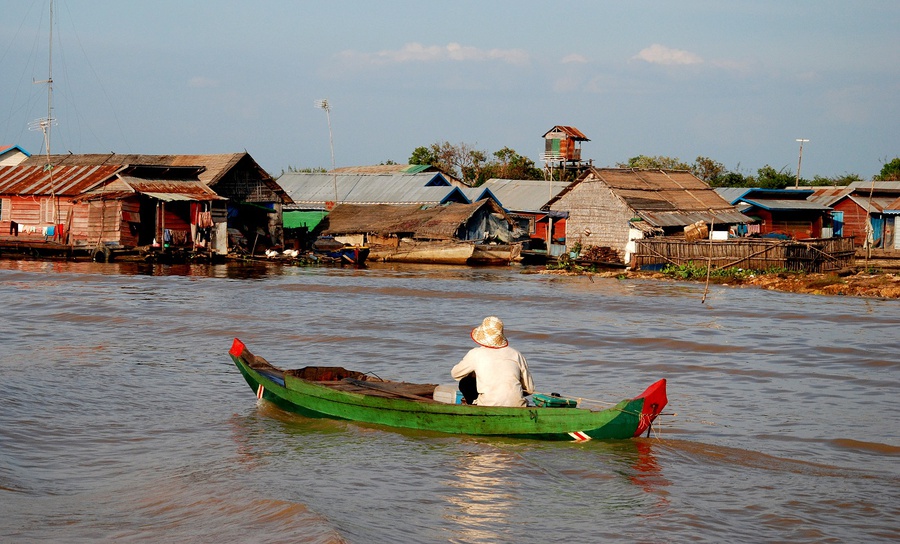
(454, 253)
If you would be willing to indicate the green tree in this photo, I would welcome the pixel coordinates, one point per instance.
(731, 179)
(655, 163)
(769, 178)
(423, 155)
(835, 181)
(510, 165)
(890, 171)
(707, 169)
(295, 169)
(462, 161)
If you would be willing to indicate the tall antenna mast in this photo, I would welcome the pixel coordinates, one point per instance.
(45, 124)
(324, 105)
(49, 80)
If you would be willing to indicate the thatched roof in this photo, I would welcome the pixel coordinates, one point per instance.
(435, 223)
(664, 198)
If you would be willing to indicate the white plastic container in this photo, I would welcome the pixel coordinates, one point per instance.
(448, 393)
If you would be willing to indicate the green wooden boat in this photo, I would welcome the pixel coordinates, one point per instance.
(335, 392)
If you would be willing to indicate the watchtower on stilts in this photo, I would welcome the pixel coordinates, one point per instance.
(562, 153)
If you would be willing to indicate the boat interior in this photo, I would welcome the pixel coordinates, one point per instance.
(340, 378)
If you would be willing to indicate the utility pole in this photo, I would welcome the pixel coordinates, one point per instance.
(799, 162)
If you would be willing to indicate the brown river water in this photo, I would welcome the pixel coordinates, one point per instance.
(122, 417)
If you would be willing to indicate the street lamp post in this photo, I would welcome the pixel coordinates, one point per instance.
(799, 162)
(323, 104)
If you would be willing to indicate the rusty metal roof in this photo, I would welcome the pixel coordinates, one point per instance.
(216, 165)
(877, 204)
(163, 189)
(66, 180)
(827, 196)
(161, 186)
(569, 131)
(893, 207)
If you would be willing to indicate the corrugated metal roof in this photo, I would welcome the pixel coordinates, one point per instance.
(682, 219)
(5, 148)
(827, 196)
(892, 207)
(161, 189)
(878, 185)
(170, 197)
(216, 165)
(185, 190)
(569, 131)
(785, 204)
(435, 223)
(386, 169)
(879, 203)
(68, 181)
(732, 194)
(317, 189)
(475, 193)
(523, 195)
(294, 219)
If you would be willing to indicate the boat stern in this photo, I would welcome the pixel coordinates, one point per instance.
(655, 400)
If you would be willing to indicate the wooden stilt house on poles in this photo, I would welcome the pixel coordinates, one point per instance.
(113, 204)
(562, 152)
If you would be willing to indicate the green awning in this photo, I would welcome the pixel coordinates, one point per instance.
(298, 219)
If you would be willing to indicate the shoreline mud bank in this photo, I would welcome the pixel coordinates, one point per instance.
(884, 285)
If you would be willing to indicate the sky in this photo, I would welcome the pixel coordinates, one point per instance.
(735, 81)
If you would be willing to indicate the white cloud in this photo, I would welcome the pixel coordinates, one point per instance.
(201, 82)
(416, 52)
(659, 54)
(574, 58)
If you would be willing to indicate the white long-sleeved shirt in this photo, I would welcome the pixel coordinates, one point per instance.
(501, 374)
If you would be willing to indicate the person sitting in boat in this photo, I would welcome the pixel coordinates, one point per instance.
(493, 374)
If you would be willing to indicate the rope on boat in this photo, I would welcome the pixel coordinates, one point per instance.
(655, 429)
(370, 373)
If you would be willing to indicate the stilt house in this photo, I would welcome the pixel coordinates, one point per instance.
(610, 207)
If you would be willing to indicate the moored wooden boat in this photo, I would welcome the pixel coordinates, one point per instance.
(409, 251)
(496, 254)
(345, 253)
(460, 252)
(344, 394)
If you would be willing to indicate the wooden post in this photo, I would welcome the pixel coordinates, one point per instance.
(549, 234)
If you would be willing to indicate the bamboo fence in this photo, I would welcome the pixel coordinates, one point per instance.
(811, 255)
